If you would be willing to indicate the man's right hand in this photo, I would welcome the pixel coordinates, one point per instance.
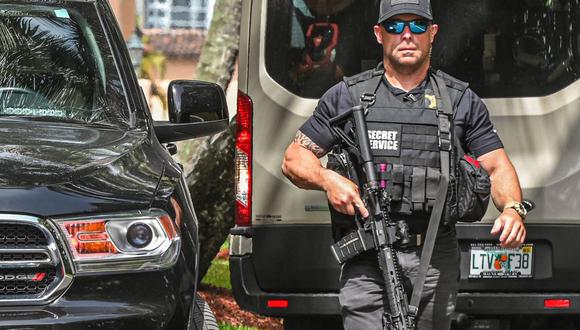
(342, 193)
(301, 165)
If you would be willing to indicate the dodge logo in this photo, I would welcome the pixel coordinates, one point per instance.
(23, 277)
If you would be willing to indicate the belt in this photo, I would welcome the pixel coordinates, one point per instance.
(360, 242)
(416, 240)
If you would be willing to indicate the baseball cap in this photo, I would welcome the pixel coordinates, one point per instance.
(390, 8)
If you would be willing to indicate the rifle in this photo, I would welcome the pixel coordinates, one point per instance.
(378, 232)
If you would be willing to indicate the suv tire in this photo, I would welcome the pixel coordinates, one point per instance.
(200, 316)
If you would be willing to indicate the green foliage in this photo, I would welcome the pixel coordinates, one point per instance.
(224, 326)
(153, 66)
(218, 274)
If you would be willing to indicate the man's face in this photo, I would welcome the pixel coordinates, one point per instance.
(317, 41)
(406, 50)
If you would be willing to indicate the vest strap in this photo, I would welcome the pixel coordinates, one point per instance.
(432, 183)
(363, 88)
(444, 112)
(418, 188)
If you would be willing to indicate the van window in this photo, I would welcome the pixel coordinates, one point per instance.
(56, 65)
(513, 48)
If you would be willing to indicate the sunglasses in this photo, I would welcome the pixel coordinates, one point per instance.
(415, 26)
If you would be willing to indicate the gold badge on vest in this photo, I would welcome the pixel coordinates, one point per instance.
(430, 101)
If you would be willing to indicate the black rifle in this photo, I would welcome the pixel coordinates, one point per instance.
(378, 232)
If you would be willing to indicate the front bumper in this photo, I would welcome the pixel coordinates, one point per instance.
(130, 301)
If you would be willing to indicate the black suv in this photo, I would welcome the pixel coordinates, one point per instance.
(97, 227)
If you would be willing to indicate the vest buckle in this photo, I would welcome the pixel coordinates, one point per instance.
(368, 98)
(445, 141)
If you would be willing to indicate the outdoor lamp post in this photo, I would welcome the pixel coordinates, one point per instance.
(135, 47)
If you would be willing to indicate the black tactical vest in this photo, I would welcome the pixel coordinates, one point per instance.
(404, 140)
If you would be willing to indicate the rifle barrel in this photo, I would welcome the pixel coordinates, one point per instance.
(360, 125)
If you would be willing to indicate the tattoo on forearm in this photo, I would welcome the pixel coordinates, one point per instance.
(306, 143)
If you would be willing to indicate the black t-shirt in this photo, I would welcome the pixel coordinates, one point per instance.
(472, 124)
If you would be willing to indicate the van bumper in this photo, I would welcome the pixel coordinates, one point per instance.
(555, 275)
(250, 297)
(473, 303)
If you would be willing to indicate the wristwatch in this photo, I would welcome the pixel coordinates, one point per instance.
(519, 207)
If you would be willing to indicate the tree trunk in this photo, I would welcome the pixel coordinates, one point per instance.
(211, 181)
(220, 50)
(211, 184)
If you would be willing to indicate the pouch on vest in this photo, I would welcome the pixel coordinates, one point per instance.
(473, 190)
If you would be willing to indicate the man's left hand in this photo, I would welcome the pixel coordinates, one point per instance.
(512, 229)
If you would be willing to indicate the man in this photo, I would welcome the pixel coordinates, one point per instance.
(318, 67)
(406, 31)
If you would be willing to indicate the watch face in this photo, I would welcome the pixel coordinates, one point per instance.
(519, 207)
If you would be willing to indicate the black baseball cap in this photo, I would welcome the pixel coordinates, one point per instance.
(390, 8)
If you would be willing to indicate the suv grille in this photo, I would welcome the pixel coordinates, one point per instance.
(19, 256)
(25, 282)
(20, 235)
(30, 267)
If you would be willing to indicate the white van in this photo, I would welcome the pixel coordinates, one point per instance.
(521, 56)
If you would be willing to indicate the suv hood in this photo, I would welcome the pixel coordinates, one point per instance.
(50, 169)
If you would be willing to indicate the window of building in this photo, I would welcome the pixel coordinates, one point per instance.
(179, 14)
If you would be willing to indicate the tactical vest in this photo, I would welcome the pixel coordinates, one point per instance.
(404, 140)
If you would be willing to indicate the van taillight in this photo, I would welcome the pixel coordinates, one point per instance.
(244, 160)
(557, 303)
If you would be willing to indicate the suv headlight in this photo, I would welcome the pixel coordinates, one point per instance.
(121, 242)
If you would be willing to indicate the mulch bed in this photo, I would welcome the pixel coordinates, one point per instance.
(226, 310)
(223, 254)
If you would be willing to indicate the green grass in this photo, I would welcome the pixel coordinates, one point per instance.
(226, 244)
(218, 274)
(224, 326)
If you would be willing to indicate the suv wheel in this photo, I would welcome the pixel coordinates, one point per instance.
(200, 316)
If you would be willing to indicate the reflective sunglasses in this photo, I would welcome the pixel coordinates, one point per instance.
(415, 26)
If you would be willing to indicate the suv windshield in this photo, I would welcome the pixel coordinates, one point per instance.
(512, 48)
(56, 65)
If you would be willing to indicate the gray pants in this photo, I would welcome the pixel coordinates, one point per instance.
(362, 286)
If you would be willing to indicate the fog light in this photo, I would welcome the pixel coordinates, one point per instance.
(139, 235)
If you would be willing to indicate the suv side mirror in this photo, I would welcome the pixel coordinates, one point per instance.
(196, 108)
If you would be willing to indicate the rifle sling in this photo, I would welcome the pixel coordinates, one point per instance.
(444, 110)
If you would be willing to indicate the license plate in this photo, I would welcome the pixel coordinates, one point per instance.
(492, 261)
